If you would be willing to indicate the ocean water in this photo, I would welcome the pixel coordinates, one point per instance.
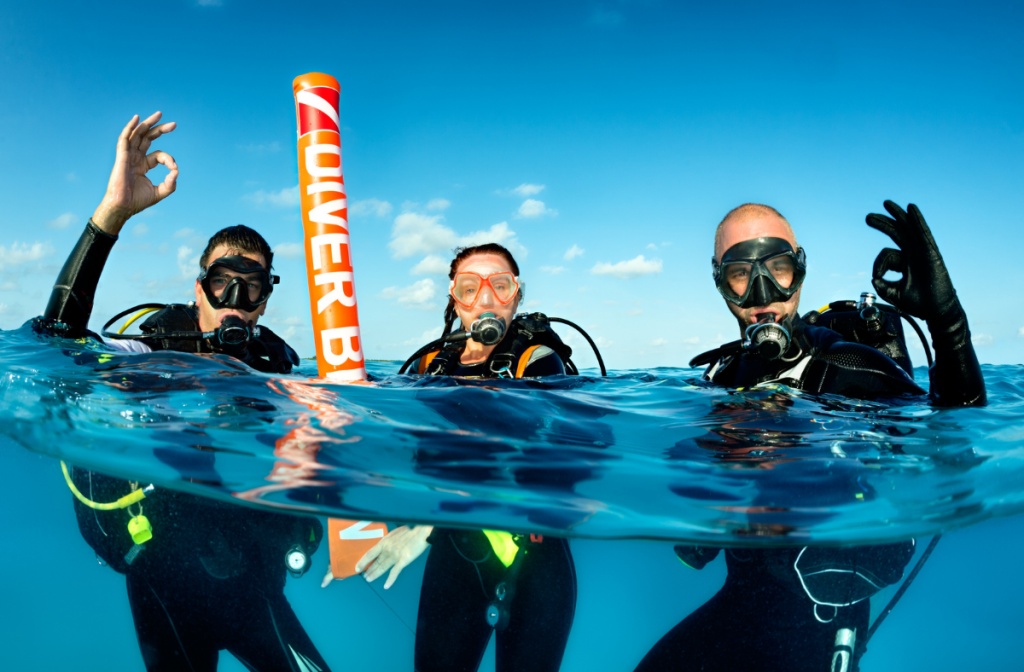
(623, 465)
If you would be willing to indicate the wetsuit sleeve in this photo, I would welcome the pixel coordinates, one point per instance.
(544, 362)
(955, 376)
(71, 300)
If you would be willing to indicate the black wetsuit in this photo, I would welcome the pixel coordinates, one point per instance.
(212, 577)
(462, 575)
(762, 618)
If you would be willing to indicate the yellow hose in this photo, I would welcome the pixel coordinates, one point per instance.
(122, 503)
(131, 320)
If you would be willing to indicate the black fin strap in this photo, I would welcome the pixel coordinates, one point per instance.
(71, 300)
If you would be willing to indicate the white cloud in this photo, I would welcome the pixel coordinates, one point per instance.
(62, 221)
(23, 253)
(533, 208)
(438, 204)
(284, 198)
(573, 252)
(982, 340)
(289, 250)
(140, 229)
(432, 264)
(188, 262)
(420, 294)
(527, 190)
(635, 267)
(552, 270)
(426, 337)
(288, 328)
(185, 233)
(659, 342)
(370, 207)
(414, 234)
(1020, 332)
(71, 177)
(498, 233)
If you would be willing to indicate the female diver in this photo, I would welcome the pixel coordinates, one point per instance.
(478, 582)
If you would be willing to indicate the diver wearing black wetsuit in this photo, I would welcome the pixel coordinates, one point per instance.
(808, 608)
(212, 575)
(464, 576)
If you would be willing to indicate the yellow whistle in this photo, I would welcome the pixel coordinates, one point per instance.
(140, 529)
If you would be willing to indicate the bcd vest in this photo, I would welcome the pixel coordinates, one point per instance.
(510, 358)
(173, 327)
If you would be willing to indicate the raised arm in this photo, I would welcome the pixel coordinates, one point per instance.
(129, 191)
(926, 291)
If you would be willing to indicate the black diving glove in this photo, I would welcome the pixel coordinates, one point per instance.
(926, 291)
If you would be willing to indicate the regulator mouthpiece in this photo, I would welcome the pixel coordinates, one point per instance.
(767, 338)
(488, 330)
(232, 332)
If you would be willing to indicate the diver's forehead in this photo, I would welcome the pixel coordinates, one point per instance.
(484, 264)
(224, 250)
(751, 227)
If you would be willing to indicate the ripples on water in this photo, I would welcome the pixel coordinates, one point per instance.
(635, 455)
(640, 454)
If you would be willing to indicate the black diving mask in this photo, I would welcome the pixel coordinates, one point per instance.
(237, 282)
(760, 272)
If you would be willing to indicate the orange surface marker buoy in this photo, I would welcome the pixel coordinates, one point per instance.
(332, 292)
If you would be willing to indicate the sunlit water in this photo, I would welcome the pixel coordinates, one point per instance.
(623, 464)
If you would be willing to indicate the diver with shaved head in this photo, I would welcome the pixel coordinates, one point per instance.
(807, 608)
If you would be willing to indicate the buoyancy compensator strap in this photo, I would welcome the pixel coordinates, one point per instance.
(175, 327)
(528, 330)
(442, 362)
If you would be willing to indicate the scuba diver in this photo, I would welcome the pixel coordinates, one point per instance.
(521, 587)
(202, 575)
(807, 608)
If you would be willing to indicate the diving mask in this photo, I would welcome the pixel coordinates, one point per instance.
(760, 272)
(467, 287)
(237, 282)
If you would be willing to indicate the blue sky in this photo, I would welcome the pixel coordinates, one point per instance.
(600, 141)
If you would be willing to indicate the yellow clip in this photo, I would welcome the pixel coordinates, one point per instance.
(504, 546)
